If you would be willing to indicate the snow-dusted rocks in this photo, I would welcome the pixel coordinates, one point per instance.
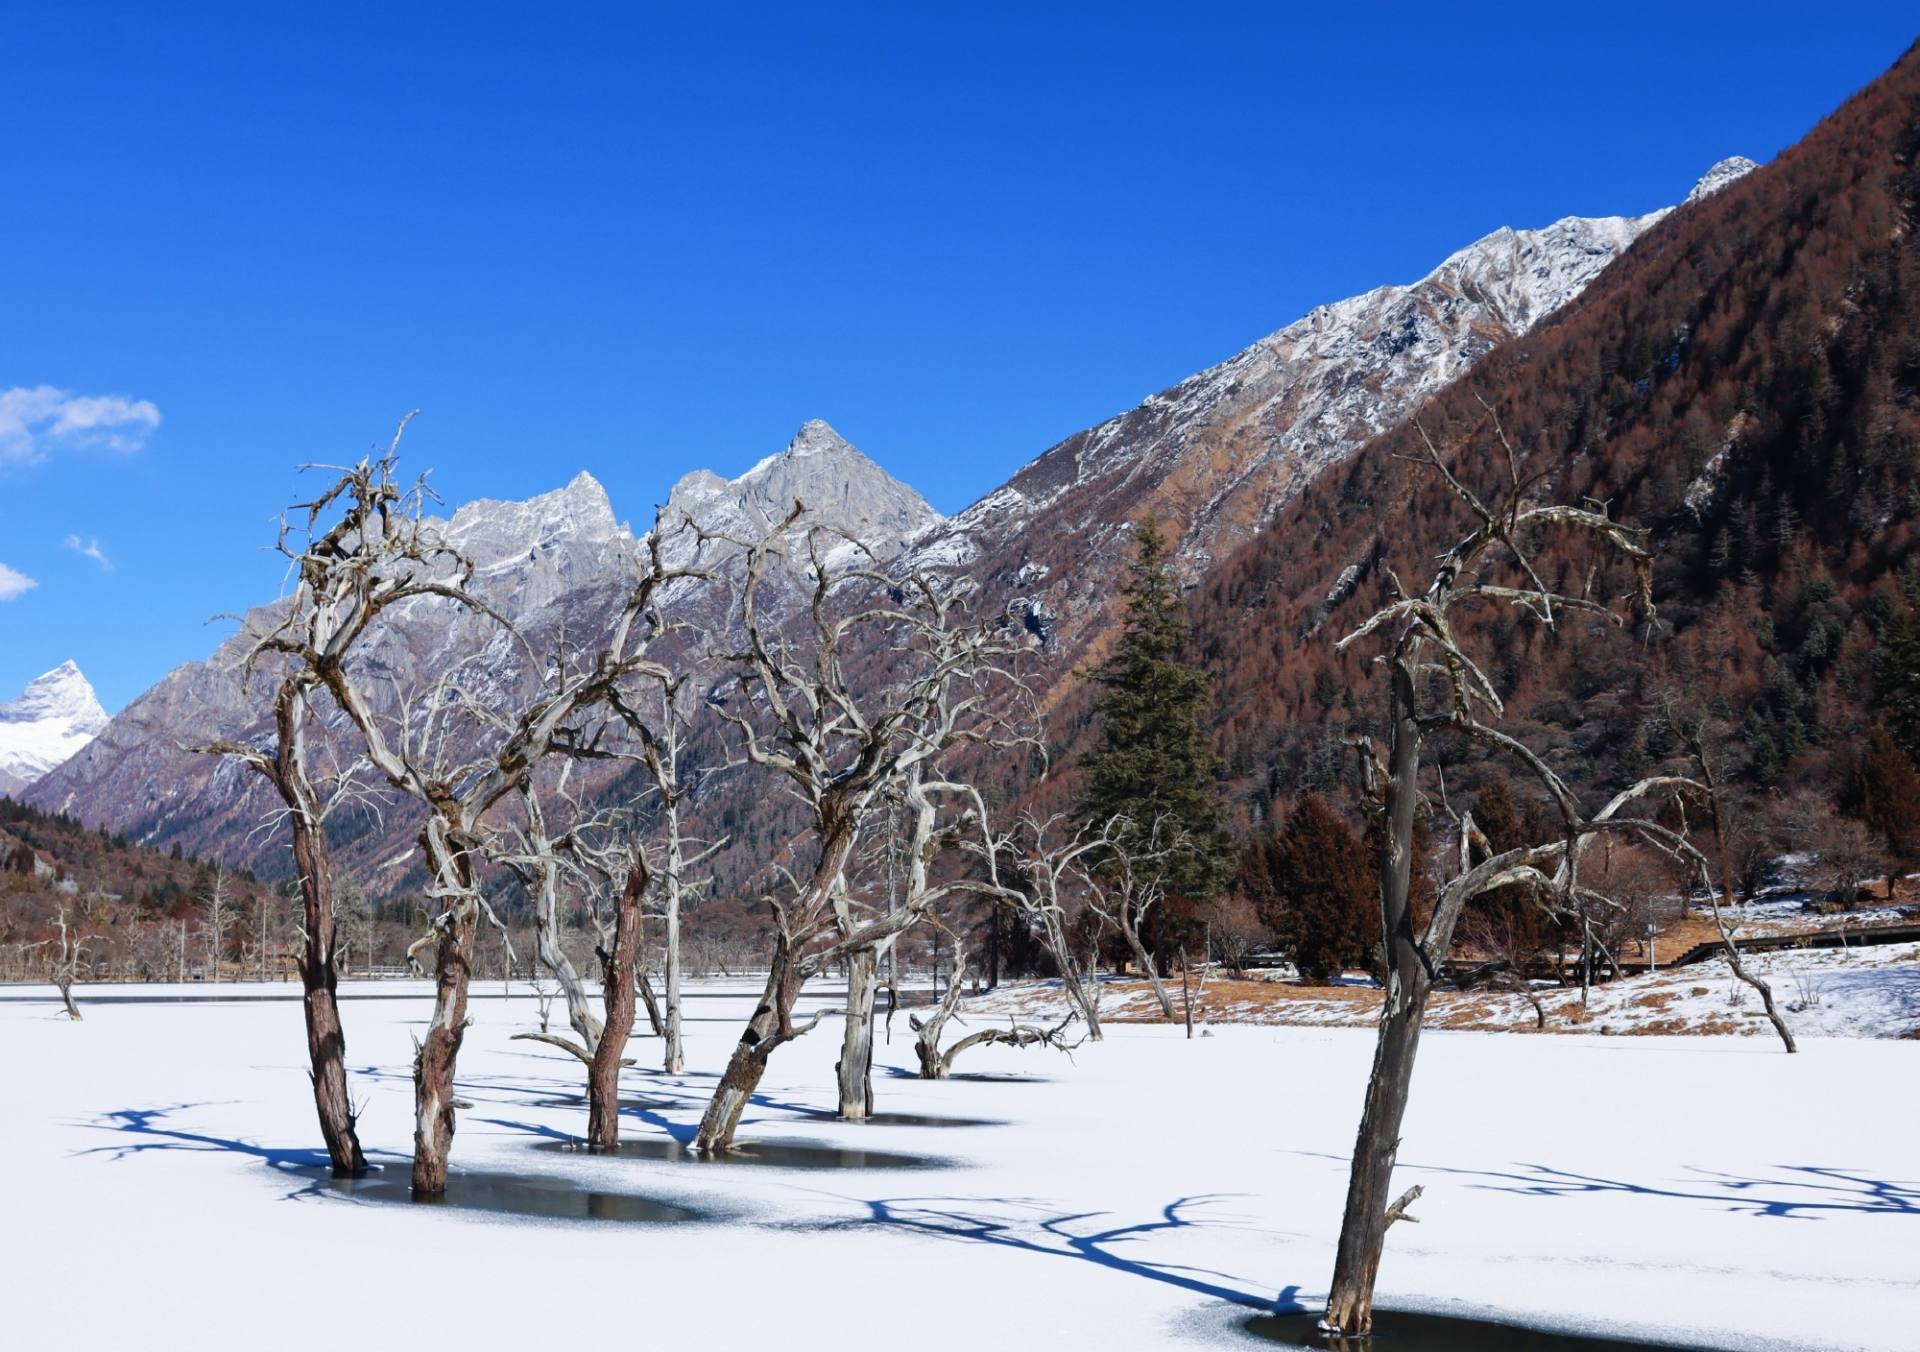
(839, 485)
(1723, 173)
(556, 564)
(1215, 456)
(55, 717)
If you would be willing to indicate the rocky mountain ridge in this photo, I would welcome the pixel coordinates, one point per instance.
(1214, 457)
(557, 563)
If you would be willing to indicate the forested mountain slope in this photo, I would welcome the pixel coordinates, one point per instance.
(1744, 382)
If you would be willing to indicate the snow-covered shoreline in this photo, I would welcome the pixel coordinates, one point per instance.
(1863, 991)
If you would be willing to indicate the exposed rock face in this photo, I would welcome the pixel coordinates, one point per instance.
(54, 718)
(557, 563)
(837, 483)
(1214, 457)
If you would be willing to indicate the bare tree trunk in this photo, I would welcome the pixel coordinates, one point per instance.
(546, 942)
(670, 1021)
(1082, 986)
(643, 985)
(1363, 1227)
(1721, 847)
(326, 1038)
(1186, 993)
(435, 1059)
(938, 1065)
(749, 1060)
(286, 769)
(855, 1069)
(673, 1059)
(1145, 959)
(934, 1066)
(618, 989)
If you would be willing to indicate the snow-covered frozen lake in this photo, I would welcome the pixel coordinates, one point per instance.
(1151, 1192)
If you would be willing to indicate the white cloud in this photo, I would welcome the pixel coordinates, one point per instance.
(14, 583)
(90, 546)
(37, 419)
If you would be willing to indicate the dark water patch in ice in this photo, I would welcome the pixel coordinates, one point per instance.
(769, 1154)
(906, 1120)
(970, 1076)
(539, 1196)
(1397, 1331)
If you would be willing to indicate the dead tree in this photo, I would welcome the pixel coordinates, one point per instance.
(1128, 885)
(219, 917)
(681, 855)
(65, 957)
(1049, 882)
(1436, 689)
(307, 798)
(928, 836)
(1691, 731)
(936, 1064)
(543, 865)
(367, 546)
(622, 979)
(799, 714)
(633, 876)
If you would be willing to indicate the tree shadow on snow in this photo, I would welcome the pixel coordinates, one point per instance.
(1027, 1225)
(147, 1127)
(1796, 1191)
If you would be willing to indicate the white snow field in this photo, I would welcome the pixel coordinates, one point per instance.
(1150, 1192)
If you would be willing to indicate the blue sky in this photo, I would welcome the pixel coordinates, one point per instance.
(643, 239)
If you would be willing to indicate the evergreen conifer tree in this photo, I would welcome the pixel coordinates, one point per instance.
(1313, 884)
(1155, 762)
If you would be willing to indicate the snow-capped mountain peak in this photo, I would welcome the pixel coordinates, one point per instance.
(1723, 173)
(54, 717)
(822, 469)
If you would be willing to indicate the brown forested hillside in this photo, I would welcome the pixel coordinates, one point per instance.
(147, 912)
(1745, 382)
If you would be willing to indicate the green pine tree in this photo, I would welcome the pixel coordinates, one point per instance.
(1155, 761)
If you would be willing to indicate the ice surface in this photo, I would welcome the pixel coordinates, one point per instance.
(1151, 1192)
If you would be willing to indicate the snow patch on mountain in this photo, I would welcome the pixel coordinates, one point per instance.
(1215, 456)
(50, 722)
(1723, 173)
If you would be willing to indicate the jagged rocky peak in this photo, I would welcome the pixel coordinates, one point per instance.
(817, 437)
(54, 717)
(821, 469)
(489, 530)
(1723, 173)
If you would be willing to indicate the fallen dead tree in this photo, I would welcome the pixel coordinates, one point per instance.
(936, 1064)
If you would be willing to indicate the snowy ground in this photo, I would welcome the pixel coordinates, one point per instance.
(1151, 1192)
(1864, 991)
